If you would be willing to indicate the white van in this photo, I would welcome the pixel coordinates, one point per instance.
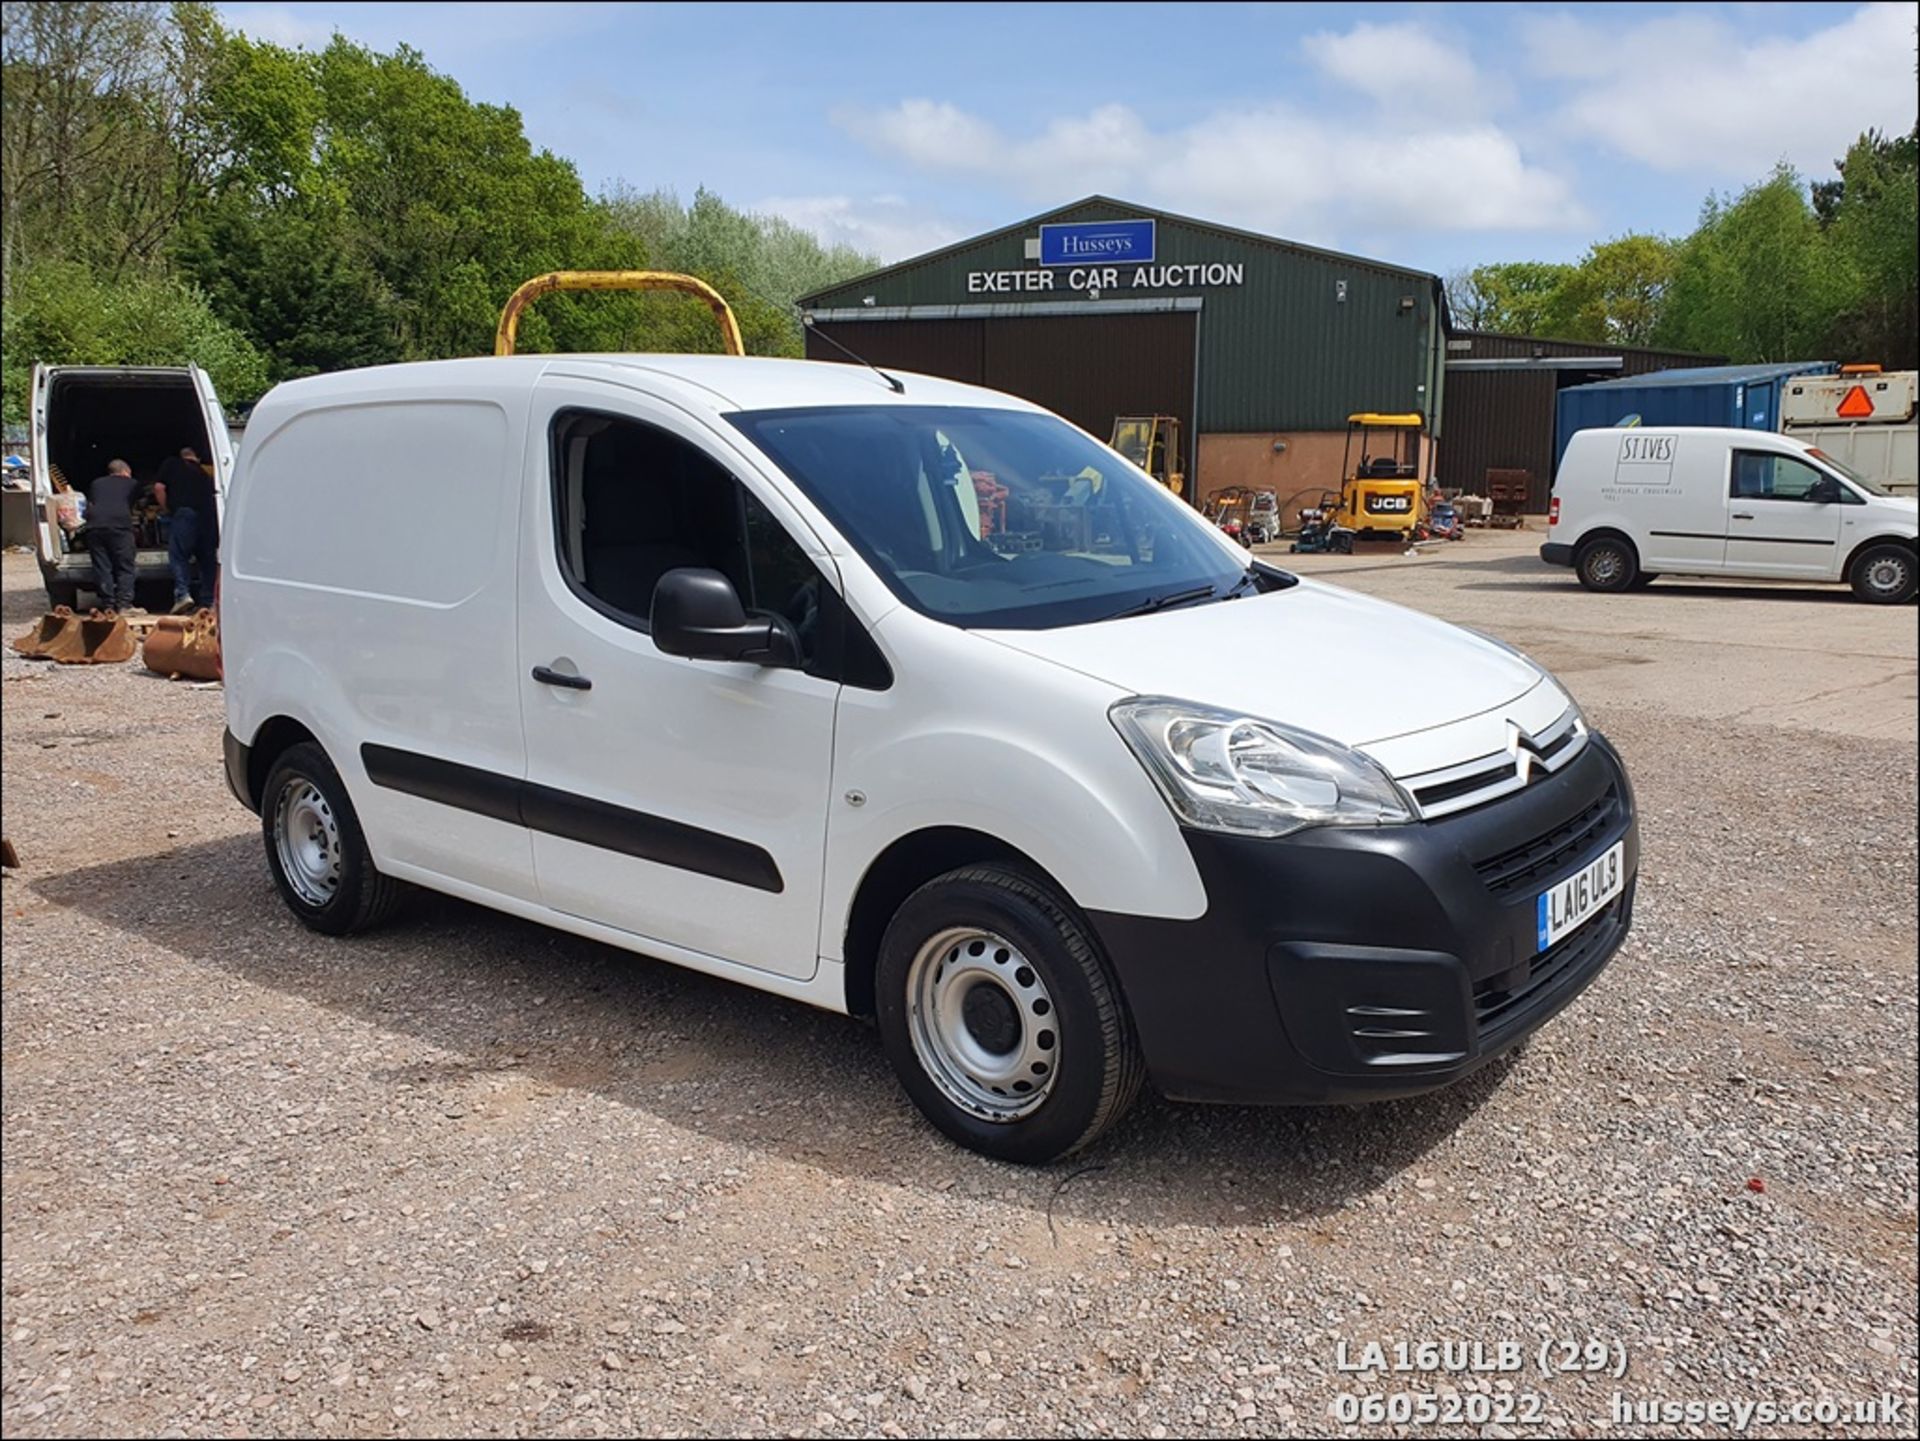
(923, 706)
(83, 416)
(1630, 505)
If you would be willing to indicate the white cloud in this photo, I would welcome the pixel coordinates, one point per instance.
(1277, 169)
(1691, 94)
(1402, 67)
(884, 225)
(1420, 155)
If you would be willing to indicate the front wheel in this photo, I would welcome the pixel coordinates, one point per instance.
(1001, 1019)
(1607, 564)
(1885, 575)
(316, 849)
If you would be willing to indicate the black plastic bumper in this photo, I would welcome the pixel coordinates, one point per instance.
(238, 758)
(1353, 964)
(1556, 554)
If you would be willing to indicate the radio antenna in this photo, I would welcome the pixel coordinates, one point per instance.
(894, 381)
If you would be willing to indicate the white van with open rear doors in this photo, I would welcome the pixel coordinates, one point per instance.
(907, 699)
(1631, 504)
(83, 416)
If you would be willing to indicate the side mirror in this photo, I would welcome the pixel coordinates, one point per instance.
(697, 614)
(1826, 491)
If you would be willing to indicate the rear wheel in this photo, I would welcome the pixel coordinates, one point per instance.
(316, 850)
(1607, 564)
(1885, 574)
(1000, 1018)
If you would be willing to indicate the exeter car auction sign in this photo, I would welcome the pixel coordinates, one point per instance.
(1092, 279)
(1091, 256)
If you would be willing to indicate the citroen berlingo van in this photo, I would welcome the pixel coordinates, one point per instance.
(916, 703)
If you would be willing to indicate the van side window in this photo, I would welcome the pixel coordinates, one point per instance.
(632, 502)
(1764, 475)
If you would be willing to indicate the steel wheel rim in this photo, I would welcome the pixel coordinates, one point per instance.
(1887, 574)
(306, 838)
(1605, 565)
(983, 1025)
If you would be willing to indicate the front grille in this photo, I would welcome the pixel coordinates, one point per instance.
(1528, 867)
(1526, 761)
(1498, 1009)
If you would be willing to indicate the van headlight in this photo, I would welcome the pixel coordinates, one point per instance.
(1222, 771)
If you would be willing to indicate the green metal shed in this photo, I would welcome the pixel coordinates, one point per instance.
(1242, 335)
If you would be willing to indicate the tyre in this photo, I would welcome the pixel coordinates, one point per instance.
(1607, 564)
(316, 850)
(1001, 1019)
(1644, 579)
(1885, 574)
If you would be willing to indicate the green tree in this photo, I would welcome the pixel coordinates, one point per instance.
(767, 262)
(1871, 218)
(1518, 297)
(1616, 294)
(61, 311)
(1756, 280)
(103, 135)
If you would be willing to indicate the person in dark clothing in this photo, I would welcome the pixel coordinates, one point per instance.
(193, 536)
(109, 534)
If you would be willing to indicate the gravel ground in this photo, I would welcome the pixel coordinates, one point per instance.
(468, 1176)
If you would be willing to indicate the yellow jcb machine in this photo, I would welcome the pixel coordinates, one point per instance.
(1152, 442)
(1383, 492)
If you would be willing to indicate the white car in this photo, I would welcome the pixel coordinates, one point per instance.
(1631, 504)
(923, 706)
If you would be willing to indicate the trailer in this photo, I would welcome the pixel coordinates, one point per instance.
(1865, 418)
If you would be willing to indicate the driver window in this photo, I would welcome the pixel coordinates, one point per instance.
(632, 502)
(1764, 475)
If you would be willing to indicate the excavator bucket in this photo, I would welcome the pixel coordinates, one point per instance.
(55, 636)
(104, 640)
(184, 646)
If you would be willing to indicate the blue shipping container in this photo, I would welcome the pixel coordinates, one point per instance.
(1746, 397)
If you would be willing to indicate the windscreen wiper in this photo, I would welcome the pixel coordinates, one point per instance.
(1162, 602)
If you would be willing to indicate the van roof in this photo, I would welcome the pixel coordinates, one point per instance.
(732, 382)
(1731, 433)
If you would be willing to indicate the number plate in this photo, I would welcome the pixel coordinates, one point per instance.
(1565, 907)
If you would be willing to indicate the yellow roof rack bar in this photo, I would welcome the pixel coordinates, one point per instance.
(1368, 417)
(503, 338)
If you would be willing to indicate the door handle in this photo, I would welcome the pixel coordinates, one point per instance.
(1741, 515)
(546, 675)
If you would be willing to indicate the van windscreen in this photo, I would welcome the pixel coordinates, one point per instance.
(995, 518)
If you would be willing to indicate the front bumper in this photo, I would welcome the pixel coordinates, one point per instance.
(1554, 554)
(1343, 964)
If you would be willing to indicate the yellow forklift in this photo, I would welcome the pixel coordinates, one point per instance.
(1152, 442)
(1383, 492)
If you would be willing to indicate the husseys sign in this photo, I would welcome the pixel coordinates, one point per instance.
(1092, 257)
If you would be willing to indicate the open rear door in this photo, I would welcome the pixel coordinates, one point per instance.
(219, 443)
(39, 476)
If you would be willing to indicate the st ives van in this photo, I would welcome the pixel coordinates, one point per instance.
(1630, 505)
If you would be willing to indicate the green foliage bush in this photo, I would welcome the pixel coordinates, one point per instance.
(62, 312)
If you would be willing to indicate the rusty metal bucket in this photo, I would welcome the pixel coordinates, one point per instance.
(184, 645)
(104, 640)
(55, 636)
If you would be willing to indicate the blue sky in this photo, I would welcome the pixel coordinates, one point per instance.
(1430, 135)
